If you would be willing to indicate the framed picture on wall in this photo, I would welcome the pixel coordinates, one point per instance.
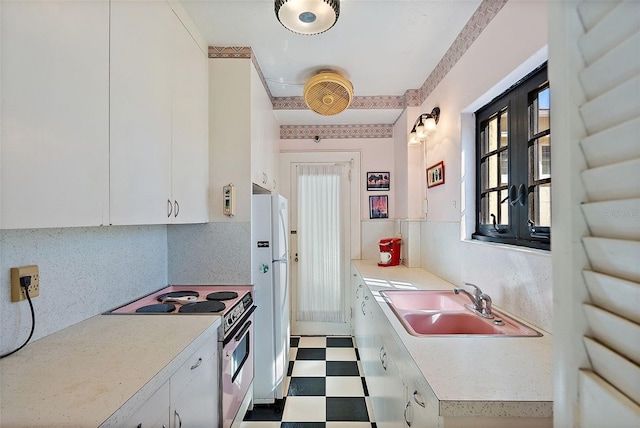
(435, 174)
(378, 180)
(379, 206)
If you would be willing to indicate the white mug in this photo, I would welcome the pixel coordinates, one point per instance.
(385, 257)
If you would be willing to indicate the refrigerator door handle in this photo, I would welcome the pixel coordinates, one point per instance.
(284, 231)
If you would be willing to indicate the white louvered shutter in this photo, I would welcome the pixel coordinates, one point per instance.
(610, 46)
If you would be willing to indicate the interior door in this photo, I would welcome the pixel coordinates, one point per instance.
(320, 250)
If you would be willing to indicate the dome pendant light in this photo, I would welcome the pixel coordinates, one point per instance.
(307, 16)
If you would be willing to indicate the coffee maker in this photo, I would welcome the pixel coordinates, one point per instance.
(389, 252)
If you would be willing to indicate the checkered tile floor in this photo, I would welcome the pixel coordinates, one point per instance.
(324, 388)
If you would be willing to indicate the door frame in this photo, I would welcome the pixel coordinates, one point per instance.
(353, 243)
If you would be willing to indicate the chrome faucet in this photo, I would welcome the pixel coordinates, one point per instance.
(481, 302)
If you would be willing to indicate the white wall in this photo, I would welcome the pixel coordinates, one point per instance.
(519, 281)
(377, 155)
(83, 272)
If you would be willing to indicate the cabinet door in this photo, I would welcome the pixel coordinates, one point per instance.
(421, 408)
(190, 129)
(194, 389)
(357, 287)
(140, 126)
(388, 394)
(265, 132)
(154, 413)
(54, 156)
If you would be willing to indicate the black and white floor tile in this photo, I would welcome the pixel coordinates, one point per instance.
(324, 388)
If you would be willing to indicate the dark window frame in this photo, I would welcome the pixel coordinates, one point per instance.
(517, 230)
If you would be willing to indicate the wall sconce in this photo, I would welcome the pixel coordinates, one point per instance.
(425, 123)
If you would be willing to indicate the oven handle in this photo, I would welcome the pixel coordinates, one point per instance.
(243, 331)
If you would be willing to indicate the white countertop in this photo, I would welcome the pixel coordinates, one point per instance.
(84, 375)
(484, 376)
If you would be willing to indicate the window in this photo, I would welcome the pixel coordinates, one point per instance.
(513, 164)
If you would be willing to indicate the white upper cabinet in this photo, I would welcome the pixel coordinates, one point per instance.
(140, 112)
(244, 134)
(159, 147)
(190, 131)
(54, 149)
(104, 115)
(264, 134)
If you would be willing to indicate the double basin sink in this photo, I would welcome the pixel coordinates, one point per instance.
(443, 313)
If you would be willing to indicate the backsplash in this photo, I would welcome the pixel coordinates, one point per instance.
(374, 230)
(518, 280)
(83, 272)
(211, 253)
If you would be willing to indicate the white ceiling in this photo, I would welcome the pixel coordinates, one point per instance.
(382, 47)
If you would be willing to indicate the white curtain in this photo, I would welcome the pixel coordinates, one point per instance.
(319, 238)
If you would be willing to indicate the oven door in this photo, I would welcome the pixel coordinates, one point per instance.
(237, 369)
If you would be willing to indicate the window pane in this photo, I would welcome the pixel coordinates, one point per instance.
(492, 162)
(504, 167)
(504, 129)
(504, 207)
(484, 175)
(540, 159)
(539, 113)
(483, 141)
(493, 134)
(484, 209)
(540, 205)
(493, 206)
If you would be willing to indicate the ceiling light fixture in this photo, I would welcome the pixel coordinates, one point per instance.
(425, 124)
(307, 16)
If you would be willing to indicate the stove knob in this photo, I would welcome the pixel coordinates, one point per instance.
(229, 321)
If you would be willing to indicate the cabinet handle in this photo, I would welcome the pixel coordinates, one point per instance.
(362, 308)
(197, 364)
(366, 297)
(357, 293)
(406, 408)
(169, 208)
(179, 419)
(415, 398)
(177, 210)
(383, 358)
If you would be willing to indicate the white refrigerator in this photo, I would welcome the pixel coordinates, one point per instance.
(270, 275)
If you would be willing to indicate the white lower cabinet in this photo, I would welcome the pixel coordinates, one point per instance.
(380, 357)
(194, 389)
(421, 408)
(154, 413)
(400, 396)
(188, 399)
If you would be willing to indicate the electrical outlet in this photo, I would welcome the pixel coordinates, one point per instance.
(17, 292)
